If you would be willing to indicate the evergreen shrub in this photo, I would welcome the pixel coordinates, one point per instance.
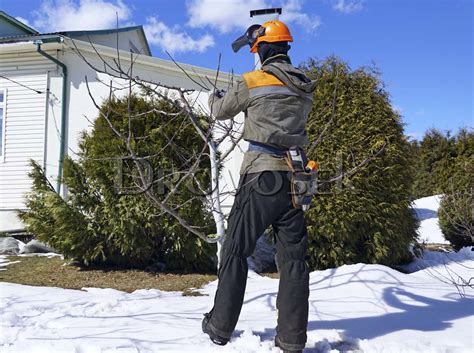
(367, 216)
(98, 224)
(456, 212)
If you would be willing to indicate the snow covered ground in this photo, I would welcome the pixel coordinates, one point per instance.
(356, 308)
(427, 211)
(361, 308)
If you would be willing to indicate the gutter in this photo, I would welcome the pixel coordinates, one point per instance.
(63, 110)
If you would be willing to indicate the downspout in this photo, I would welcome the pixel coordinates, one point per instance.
(63, 111)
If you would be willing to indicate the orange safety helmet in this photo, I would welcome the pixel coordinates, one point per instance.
(271, 31)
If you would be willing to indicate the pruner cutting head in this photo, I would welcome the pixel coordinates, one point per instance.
(249, 37)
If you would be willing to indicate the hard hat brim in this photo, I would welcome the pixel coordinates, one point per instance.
(271, 39)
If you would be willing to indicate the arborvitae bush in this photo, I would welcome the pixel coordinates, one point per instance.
(434, 157)
(456, 213)
(97, 224)
(366, 217)
(440, 159)
(456, 218)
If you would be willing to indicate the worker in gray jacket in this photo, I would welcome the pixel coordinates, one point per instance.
(276, 100)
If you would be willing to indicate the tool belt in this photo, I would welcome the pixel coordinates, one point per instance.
(303, 182)
(264, 148)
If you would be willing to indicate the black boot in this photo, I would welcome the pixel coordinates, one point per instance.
(278, 344)
(207, 329)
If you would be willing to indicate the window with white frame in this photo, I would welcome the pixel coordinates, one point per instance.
(3, 97)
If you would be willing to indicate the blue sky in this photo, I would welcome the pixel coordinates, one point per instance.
(424, 48)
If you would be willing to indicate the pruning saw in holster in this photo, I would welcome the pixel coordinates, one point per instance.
(304, 177)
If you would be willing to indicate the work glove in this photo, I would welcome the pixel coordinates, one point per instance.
(219, 93)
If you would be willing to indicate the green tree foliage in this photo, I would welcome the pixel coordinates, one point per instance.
(440, 160)
(456, 218)
(461, 163)
(97, 223)
(456, 183)
(367, 216)
(434, 157)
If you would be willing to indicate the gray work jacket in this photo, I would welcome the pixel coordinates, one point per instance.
(276, 101)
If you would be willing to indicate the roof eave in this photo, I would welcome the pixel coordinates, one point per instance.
(56, 42)
(198, 73)
(45, 38)
(100, 31)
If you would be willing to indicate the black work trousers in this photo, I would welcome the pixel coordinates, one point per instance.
(264, 199)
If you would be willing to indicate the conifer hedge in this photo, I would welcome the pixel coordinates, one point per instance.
(434, 157)
(366, 217)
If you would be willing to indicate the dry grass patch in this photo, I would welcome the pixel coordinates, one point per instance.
(438, 247)
(54, 272)
(274, 275)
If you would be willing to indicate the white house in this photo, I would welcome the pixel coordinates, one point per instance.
(45, 104)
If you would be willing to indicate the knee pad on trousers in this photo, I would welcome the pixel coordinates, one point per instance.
(290, 253)
(288, 263)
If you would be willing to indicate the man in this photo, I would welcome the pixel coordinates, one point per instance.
(276, 100)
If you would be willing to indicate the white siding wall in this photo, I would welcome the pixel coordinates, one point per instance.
(24, 128)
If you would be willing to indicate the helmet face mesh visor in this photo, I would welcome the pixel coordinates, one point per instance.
(258, 32)
(248, 38)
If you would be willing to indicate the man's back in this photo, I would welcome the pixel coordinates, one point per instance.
(276, 100)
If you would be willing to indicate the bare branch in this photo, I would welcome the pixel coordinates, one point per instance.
(187, 75)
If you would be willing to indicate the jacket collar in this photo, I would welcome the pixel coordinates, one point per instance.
(278, 57)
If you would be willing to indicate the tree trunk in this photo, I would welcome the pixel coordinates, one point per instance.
(215, 199)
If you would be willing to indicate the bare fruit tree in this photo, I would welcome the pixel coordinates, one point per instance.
(122, 81)
(218, 138)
